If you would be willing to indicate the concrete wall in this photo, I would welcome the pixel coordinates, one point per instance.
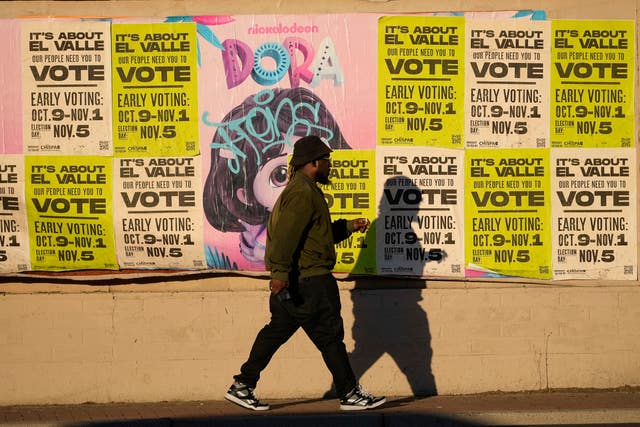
(183, 340)
(68, 340)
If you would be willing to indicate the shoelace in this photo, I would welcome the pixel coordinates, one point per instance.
(247, 393)
(363, 393)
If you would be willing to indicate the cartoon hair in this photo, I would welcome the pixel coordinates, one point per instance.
(250, 135)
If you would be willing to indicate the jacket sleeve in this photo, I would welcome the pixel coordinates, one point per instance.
(295, 214)
(341, 230)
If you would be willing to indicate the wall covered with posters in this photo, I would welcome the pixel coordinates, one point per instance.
(480, 144)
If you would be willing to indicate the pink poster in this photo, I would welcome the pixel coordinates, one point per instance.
(264, 82)
(10, 78)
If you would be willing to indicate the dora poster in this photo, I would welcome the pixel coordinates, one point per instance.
(264, 82)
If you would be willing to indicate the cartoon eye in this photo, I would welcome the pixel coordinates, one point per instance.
(278, 177)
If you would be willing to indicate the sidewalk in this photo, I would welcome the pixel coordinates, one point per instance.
(552, 408)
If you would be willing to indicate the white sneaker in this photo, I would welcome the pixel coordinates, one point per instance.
(242, 395)
(357, 400)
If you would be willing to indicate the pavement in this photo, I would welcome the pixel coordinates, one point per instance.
(554, 408)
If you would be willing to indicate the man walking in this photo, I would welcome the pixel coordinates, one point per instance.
(300, 255)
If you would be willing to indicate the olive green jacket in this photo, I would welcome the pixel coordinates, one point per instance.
(300, 234)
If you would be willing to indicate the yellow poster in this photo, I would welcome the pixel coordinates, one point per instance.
(508, 213)
(351, 195)
(592, 83)
(155, 90)
(70, 212)
(421, 81)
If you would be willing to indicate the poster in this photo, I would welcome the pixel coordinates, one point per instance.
(594, 214)
(507, 84)
(14, 232)
(158, 212)
(155, 90)
(264, 82)
(421, 81)
(508, 213)
(66, 87)
(460, 119)
(350, 195)
(592, 84)
(420, 224)
(69, 206)
(10, 92)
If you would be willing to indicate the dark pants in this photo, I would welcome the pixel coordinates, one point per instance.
(316, 308)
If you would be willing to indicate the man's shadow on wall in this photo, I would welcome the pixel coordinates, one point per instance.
(387, 320)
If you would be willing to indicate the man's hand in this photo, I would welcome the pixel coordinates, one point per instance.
(361, 224)
(276, 285)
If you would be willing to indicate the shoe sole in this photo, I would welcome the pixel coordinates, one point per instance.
(232, 398)
(362, 408)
